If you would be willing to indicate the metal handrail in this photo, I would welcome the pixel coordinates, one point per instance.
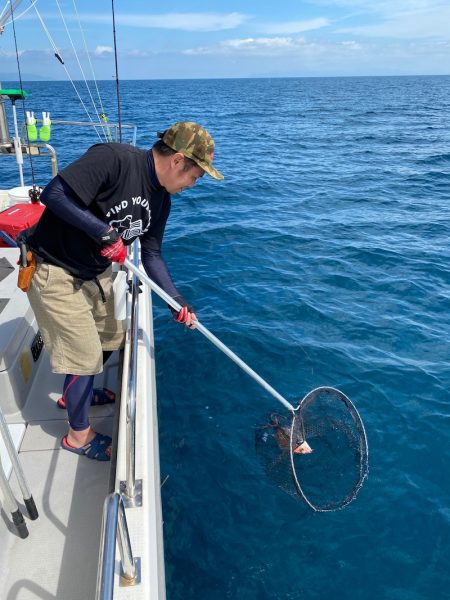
(114, 126)
(114, 523)
(114, 526)
(7, 146)
(129, 490)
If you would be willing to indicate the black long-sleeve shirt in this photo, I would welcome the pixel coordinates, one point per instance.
(110, 185)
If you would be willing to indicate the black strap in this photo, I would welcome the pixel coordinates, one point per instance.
(99, 285)
(77, 284)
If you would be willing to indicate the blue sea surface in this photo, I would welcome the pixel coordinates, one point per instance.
(322, 259)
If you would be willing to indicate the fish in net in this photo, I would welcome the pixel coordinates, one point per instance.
(319, 452)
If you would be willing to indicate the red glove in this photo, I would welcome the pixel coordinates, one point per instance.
(182, 315)
(185, 315)
(113, 247)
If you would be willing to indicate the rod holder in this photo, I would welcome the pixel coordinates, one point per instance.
(31, 508)
(20, 524)
(17, 468)
(10, 504)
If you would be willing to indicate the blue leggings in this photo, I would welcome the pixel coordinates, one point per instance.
(78, 392)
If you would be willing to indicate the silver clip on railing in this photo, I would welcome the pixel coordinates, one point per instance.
(10, 500)
(114, 527)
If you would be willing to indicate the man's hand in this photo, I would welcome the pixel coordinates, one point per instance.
(186, 315)
(113, 247)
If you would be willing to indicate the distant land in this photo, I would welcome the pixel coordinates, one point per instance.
(12, 77)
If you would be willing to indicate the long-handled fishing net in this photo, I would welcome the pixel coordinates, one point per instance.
(318, 450)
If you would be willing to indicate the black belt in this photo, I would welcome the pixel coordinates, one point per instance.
(77, 283)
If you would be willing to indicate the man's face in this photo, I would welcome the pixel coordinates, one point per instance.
(180, 178)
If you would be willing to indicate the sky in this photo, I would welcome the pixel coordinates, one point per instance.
(211, 39)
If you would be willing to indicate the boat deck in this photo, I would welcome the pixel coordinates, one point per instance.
(59, 559)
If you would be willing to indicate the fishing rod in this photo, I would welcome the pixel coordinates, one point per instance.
(117, 71)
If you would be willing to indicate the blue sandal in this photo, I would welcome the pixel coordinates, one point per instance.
(101, 396)
(95, 449)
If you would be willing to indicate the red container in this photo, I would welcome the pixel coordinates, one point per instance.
(15, 219)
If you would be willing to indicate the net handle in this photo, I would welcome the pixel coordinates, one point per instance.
(210, 336)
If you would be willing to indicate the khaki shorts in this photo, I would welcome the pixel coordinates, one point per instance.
(76, 325)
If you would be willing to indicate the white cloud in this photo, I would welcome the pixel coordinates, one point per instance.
(419, 24)
(247, 46)
(136, 53)
(254, 43)
(385, 7)
(352, 45)
(178, 21)
(11, 54)
(272, 46)
(400, 19)
(295, 26)
(103, 50)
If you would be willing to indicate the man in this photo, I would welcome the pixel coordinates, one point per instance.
(96, 207)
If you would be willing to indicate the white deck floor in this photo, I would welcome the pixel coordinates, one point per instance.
(59, 559)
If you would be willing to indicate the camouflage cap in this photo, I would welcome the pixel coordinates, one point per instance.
(194, 142)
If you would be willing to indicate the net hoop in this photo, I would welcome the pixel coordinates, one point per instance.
(364, 451)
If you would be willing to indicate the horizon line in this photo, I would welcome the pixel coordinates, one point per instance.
(113, 79)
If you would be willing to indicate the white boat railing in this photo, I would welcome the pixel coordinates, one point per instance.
(19, 146)
(114, 525)
(128, 487)
(113, 126)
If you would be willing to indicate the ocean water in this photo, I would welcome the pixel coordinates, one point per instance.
(321, 259)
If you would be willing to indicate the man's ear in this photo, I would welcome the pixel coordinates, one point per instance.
(177, 159)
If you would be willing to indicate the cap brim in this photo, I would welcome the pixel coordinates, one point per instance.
(213, 172)
(209, 169)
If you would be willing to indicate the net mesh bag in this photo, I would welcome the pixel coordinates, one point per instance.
(318, 453)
